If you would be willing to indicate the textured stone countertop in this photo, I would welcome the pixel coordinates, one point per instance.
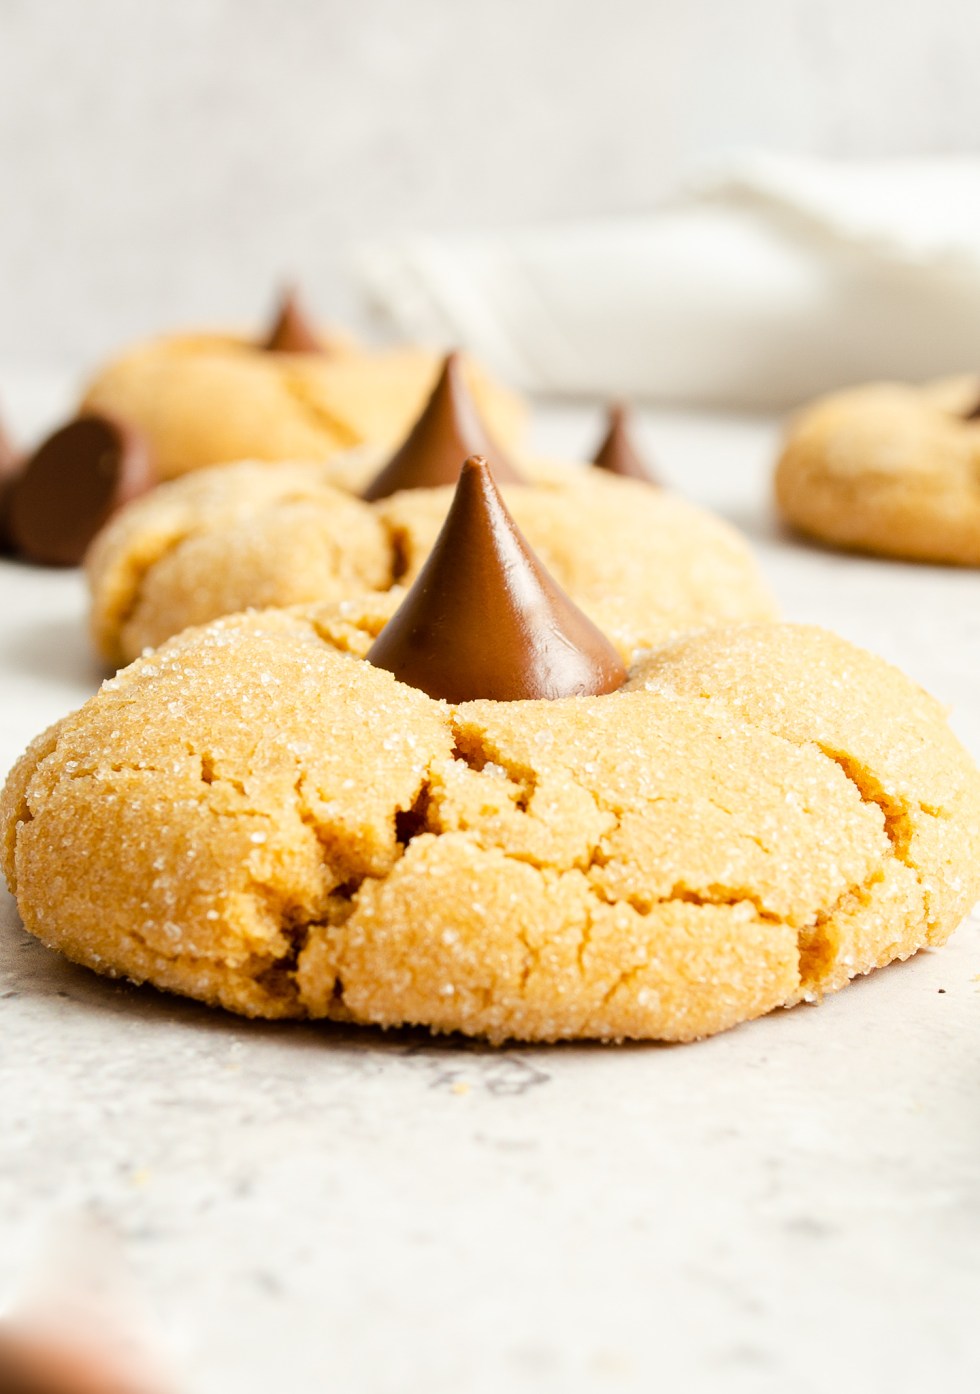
(792, 1206)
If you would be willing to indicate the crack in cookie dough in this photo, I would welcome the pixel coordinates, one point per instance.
(479, 756)
(336, 432)
(921, 787)
(256, 817)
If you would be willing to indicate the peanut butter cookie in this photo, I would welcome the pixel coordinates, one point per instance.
(205, 399)
(889, 469)
(262, 815)
(645, 564)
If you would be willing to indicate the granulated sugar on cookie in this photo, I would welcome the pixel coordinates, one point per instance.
(644, 564)
(259, 816)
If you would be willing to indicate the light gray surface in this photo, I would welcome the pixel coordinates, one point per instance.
(794, 1205)
(163, 163)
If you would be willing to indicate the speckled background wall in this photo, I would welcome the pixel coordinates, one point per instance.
(164, 161)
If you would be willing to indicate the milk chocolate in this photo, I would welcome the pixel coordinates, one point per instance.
(9, 466)
(618, 453)
(9, 455)
(293, 331)
(30, 1364)
(485, 619)
(71, 486)
(448, 431)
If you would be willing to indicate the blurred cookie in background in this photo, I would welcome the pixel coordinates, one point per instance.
(889, 468)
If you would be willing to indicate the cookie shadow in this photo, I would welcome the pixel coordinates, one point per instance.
(29, 970)
(757, 524)
(768, 528)
(765, 526)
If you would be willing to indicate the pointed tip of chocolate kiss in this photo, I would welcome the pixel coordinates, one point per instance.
(484, 618)
(448, 431)
(292, 330)
(618, 454)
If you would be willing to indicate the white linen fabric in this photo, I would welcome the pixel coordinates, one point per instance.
(777, 279)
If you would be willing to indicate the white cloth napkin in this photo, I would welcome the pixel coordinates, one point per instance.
(782, 277)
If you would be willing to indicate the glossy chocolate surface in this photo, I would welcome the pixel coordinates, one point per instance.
(485, 619)
(72, 485)
(448, 432)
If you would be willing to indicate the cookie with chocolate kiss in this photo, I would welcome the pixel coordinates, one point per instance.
(293, 391)
(889, 468)
(642, 563)
(261, 815)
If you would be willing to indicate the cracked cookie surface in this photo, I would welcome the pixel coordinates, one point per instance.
(255, 817)
(643, 563)
(203, 399)
(889, 469)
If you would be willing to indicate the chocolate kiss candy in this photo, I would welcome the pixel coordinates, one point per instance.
(292, 331)
(484, 618)
(448, 431)
(30, 1364)
(9, 466)
(72, 484)
(617, 453)
(9, 457)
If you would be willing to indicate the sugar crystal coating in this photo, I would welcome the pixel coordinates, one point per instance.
(254, 817)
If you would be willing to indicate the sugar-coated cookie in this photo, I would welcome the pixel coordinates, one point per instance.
(204, 399)
(890, 469)
(642, 562)
(466, 813)
(256, 817)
